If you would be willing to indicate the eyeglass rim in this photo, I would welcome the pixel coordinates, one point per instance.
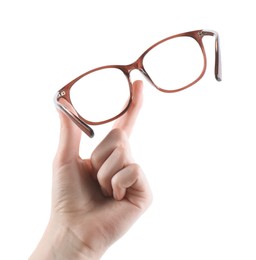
(83, 124)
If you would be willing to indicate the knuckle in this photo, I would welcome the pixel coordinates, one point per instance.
(136, 169)
(102, 178)
(121, 154)
(114, 182)
(95, 160)
(119, 135)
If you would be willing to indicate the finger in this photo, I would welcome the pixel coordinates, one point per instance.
(118, 159)
(69, 141)
(127, 121)
(130, 183)
(114, 139)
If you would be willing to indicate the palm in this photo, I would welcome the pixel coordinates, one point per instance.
(78, 198)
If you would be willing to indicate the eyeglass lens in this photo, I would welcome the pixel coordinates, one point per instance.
(172, 64)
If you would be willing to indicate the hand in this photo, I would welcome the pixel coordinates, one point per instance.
(94, 201)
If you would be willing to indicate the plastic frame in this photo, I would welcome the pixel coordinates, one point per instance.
(62, 97)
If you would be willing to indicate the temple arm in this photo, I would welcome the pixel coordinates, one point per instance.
(84, 127)
(218, 68)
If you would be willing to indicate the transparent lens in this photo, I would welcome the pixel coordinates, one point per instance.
(174, 63)
(100, 95)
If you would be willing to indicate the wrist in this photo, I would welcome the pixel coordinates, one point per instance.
(59, 242)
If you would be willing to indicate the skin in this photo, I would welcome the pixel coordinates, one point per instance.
(95, 200)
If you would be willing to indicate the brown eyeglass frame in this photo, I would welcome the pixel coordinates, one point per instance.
(83, 124)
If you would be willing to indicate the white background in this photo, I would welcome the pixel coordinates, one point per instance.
(197, 147)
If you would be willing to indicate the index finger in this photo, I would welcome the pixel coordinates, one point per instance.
(127, 121)
(69, 142)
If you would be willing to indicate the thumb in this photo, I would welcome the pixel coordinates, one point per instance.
(70, 136)
(127, 121)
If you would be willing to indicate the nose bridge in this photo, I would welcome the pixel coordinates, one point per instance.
(137, 70)
(137, 65)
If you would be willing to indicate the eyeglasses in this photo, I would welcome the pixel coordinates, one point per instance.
(103, 94)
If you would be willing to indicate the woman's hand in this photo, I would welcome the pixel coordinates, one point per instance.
(95, 200)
